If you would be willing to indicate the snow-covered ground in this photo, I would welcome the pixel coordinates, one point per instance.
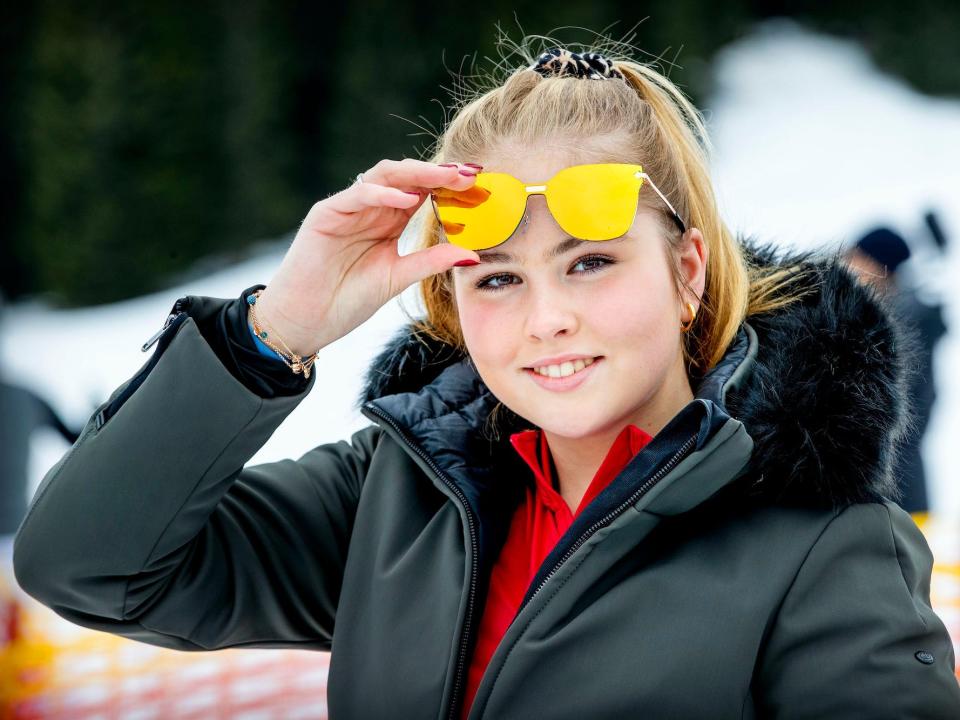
(813, 146)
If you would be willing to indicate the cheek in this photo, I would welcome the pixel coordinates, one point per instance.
(487, 329)
(639, 307)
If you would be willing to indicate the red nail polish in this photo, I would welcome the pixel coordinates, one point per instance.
(465, 263)
(448, 165)
(474, 165)
(410, 192)
(467, 173)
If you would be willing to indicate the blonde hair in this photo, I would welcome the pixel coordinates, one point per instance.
(645, 120)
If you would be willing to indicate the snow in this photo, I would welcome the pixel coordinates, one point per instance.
(813, 146)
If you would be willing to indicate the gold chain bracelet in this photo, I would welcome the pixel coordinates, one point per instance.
(294, 361)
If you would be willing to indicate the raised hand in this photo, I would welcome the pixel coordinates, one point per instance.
(344, 264)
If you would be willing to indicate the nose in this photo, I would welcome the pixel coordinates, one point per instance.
(550, 312)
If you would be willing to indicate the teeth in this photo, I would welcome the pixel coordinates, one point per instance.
(563, 369)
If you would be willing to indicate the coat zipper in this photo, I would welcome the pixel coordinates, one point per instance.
(106, 412)
(630, 501)
(181, 302)
(471, 526)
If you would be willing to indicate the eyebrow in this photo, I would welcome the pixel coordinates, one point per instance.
(562, 248)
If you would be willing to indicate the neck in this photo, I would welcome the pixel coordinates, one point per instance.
(578, 459)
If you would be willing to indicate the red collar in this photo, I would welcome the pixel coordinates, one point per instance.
(532, 446)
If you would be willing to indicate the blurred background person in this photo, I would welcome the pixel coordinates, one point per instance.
(22, 412)
(878, 259)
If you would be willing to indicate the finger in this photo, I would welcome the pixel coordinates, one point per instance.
(370, 195)
(410, 174)
(422, 264)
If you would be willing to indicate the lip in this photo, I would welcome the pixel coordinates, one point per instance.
(564, 383)
(558, 359)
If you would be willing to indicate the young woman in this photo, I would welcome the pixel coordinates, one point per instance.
(626, 464)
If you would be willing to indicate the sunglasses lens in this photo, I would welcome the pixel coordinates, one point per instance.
(483, 215)
(595, 202)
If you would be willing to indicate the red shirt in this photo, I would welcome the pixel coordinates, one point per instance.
(538, 523)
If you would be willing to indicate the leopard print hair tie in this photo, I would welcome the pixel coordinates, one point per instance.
(559, 61)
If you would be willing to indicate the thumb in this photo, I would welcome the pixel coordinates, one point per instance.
(432, 260)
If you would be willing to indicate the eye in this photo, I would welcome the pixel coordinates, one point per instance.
(594, 262)
(499, 281)
(485, 283)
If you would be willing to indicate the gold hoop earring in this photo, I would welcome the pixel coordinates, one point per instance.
(685, 327)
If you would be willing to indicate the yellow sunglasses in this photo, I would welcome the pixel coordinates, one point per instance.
(590, 202)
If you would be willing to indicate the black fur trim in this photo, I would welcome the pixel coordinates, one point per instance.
(826, 403)
(409, 360)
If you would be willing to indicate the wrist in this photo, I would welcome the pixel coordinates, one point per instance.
(296, 362)
(261, 346)
(280, 332)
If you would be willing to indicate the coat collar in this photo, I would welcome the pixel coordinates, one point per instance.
(819, 387)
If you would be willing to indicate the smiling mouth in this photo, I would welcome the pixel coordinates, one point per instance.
(564, 369)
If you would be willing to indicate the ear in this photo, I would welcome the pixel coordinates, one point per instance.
(692, 261)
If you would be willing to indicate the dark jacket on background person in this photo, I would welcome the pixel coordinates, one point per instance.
(22, 413)
(927, 324)
(748, 562)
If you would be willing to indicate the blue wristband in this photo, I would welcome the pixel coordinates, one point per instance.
(262, 347)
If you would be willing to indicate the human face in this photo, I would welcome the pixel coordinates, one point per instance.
(614, 303)
(868, 270)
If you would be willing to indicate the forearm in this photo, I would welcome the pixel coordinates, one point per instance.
(131, 494)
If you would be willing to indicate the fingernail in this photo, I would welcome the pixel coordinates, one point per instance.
(465, 263)
(410, 192)
(468, 173)
(448, 165)
(474, 165)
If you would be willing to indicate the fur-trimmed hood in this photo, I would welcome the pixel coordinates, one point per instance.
(824, 400)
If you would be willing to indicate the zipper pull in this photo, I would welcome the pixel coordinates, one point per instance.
(156, 336)
(178, 307)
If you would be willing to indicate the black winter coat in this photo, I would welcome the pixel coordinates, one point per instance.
(748, 562)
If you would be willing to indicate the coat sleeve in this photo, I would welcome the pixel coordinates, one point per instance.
(151, 527)
(855, 636)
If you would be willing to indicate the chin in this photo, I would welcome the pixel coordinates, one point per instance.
(567, 424)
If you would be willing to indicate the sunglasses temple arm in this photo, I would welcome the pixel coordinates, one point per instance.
(676, 217)
(436, 213)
